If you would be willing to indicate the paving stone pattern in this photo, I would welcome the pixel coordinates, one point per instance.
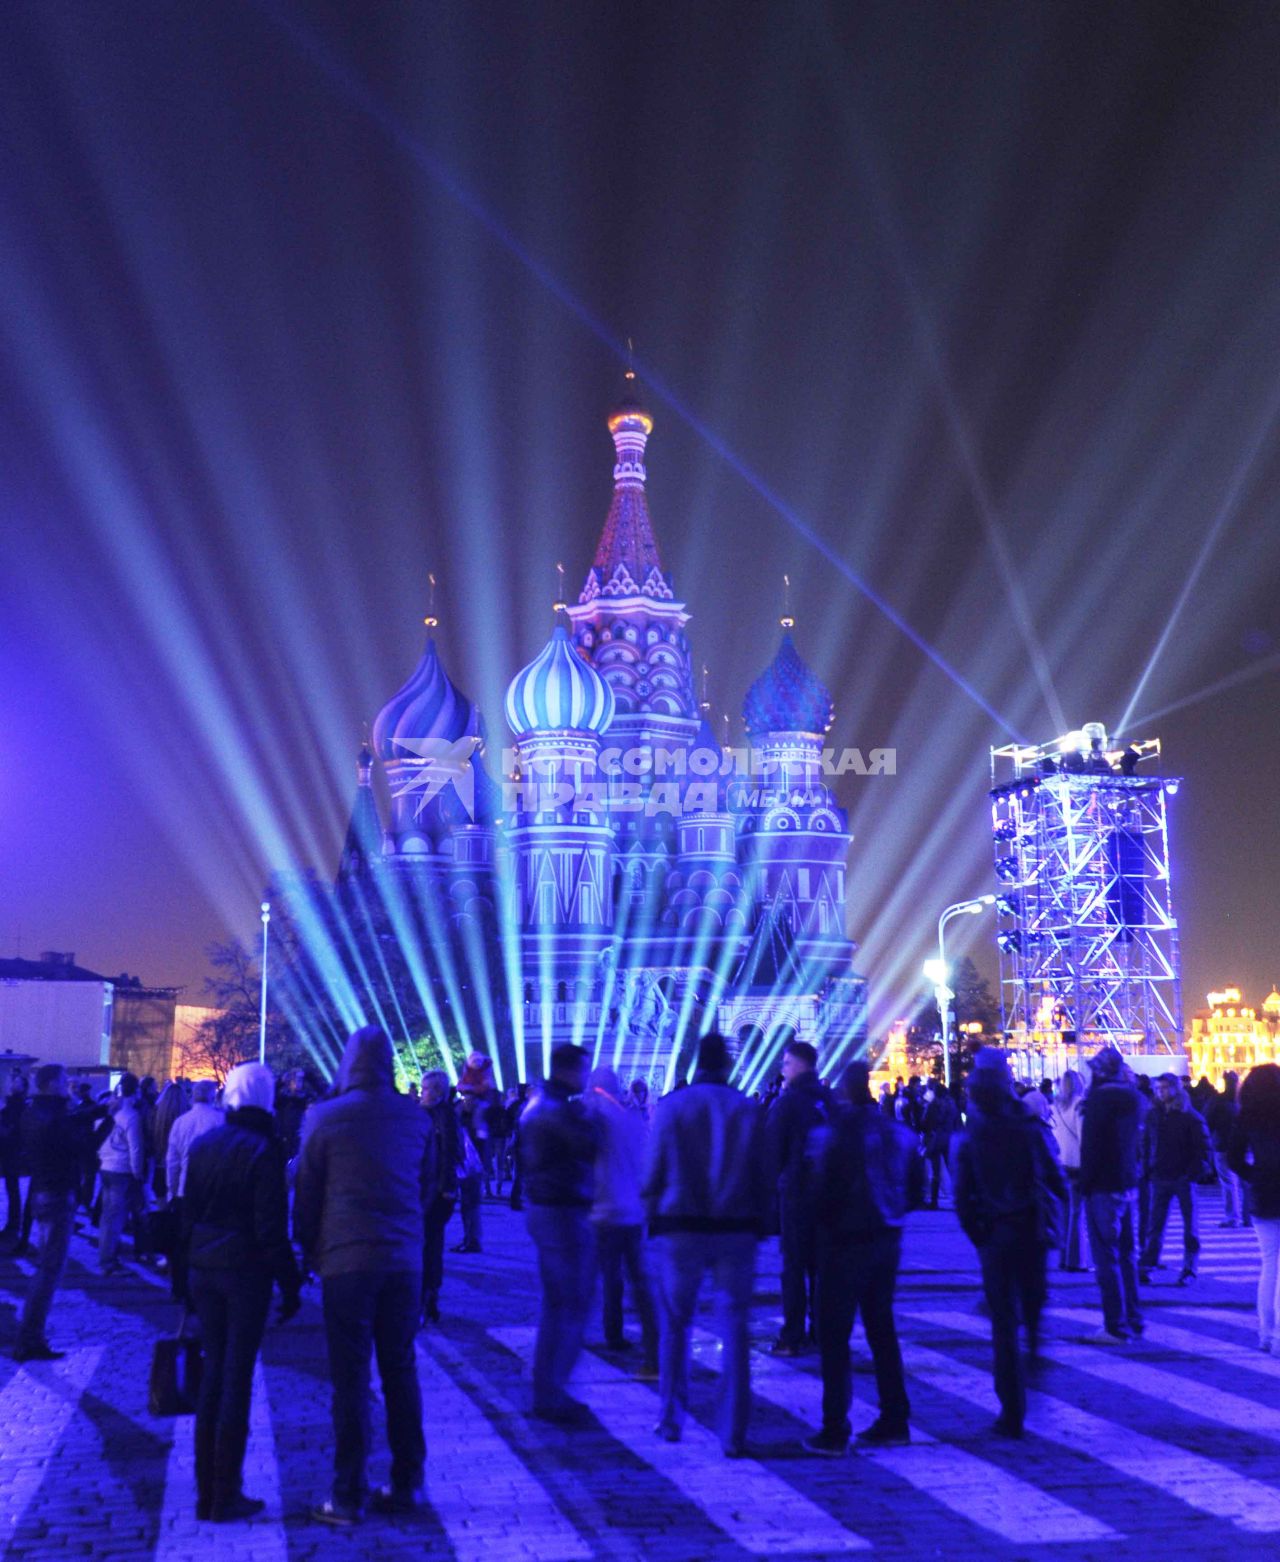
(1165, 1449)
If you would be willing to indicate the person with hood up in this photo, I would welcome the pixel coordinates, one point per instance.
(1110, 1170)
(708, 1187)
(1009, 1192)
(622, 1138)
(236, 1224)
(366, 1178)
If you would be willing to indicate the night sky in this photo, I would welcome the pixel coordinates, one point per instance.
(965, 316)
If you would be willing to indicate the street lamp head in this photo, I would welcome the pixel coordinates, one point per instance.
(986, 900)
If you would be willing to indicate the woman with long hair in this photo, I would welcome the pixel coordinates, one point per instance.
(1254, 1156)
(1066, 1121)
(169, 1108)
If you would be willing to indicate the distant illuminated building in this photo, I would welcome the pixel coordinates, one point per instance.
(893, 1063)
(632, 888)
(1229, 1035)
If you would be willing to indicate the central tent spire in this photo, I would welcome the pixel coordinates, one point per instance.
(627, 563)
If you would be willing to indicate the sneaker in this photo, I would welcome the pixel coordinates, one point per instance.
(388, 1500)
(466, 1247)
(1109, 1337)
(336, 1514)
(667, 1432)
(781, 1347)
(1186, 1277)
(1002, 1426)
(828, 1445)
(571, 1412)
(883, 1434)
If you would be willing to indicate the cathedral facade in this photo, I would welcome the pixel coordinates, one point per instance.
(628, 883)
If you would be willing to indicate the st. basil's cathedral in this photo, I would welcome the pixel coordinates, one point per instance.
(639, 885)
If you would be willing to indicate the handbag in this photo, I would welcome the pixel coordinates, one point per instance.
(176, 1367)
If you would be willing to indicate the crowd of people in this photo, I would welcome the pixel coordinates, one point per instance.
(253, 1193)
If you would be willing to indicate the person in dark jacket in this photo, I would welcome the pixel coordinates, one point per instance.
(1110, 1168)
(235, 1215)
(1009, 1191)
(802, 1107)
(941, 1120)
(55, 1142)
(866, 1174)
(1254, 1156)
(11, 1155)
(557, 1156)
(366, 1172)
(1220, 1114)
(1177, 1152)
(443, 1193)
(708, 1185)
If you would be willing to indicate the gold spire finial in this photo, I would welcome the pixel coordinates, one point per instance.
(431, 621)
(705, 703)
(786, 620)
(559, 605)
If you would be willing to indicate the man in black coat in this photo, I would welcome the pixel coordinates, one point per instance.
(366, 1173)
(866, 1174)
(1110, 1170)
(55, 1142)
(1009, 1192)
(802, 1107)
(1177, 1152)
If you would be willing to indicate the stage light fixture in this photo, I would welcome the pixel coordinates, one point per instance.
(1007, 870)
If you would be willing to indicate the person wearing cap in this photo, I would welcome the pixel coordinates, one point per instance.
(1009, 1193)
(366, 1180)
(235, 1217)
(1110, 1170)
(708, 1185)
(866, 1172)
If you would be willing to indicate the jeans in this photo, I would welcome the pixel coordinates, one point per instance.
(469, 1204)
(853, 1278)
(566, 1248)
(232, 1308)
(1112, 1218)
(1072, 1245)
(1163, 1194)
(622, 1247)
(121, 1197)
(438, 1217)
(1267, 1230)
(54, 1215)
(1014, 1282)
(939, 1175)
(684, 1257)
(799, 1272)
(1230, 1185)
(374, 1312)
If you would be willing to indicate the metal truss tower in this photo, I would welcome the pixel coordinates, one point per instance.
(1088, 940)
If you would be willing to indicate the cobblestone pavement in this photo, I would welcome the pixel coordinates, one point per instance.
(1169, 1446)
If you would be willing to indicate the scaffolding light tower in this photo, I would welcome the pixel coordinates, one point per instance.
(1087, 936)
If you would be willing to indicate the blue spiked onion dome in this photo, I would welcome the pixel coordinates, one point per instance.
(786, 697)
(428, 706)
(558, 692)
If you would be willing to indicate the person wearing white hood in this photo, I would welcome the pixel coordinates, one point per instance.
(235, 1217)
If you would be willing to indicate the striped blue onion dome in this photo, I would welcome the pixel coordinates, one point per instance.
(428, 706)
(786, 697)
(558, 692)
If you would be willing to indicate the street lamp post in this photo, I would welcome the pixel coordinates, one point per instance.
(262, 1012)
(937, 972)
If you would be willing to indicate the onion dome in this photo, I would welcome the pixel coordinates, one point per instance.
(428, 706)
(558, 692)
(786, 697)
